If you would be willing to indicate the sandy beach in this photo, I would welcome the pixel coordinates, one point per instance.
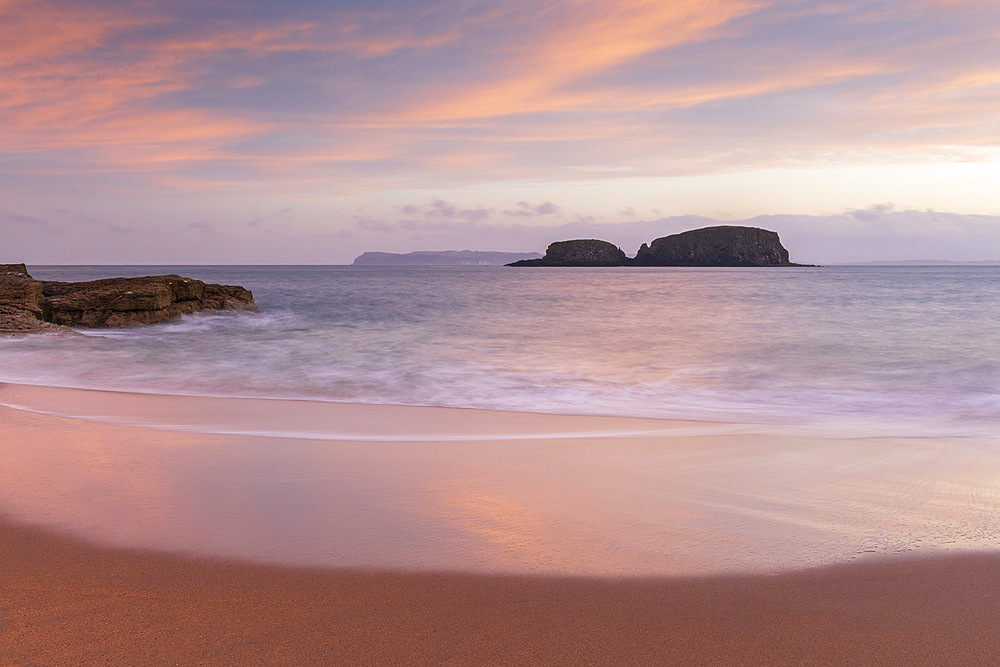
(146, 528)
(66, 602)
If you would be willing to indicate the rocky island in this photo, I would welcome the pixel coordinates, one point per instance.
(581, 252)
(32, 306)
(715, 246)
(722, 245)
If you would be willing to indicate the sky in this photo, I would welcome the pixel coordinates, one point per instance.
(252, 131)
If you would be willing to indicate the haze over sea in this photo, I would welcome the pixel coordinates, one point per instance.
(901, 350)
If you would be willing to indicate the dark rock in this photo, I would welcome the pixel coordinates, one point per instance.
(14, 268)
(122, 302)
(579, 252)
(28, 305)
(21, 292)
(21, 303)
(15, 323)
(715, 246)
(227, 297)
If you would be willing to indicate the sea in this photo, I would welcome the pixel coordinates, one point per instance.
(900, 350)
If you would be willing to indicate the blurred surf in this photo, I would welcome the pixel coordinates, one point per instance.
(913, 350)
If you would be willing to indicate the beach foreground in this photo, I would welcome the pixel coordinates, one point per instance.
(66, 601)
(418, 488)
(145, 528)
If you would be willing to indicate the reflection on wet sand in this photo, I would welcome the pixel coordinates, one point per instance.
(632, 497)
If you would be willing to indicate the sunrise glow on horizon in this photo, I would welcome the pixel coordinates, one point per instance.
(309, 132)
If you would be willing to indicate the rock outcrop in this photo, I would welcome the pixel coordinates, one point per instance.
(28, 305)
(21, 302)
(579, 252)
(724, 245)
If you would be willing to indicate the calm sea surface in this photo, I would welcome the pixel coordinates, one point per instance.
(913, 350)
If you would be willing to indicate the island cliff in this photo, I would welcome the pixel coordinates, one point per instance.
(30, 306)
(581, 252)
(723, 245)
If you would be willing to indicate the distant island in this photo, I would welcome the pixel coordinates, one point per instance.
(443, 258)
(723, 245)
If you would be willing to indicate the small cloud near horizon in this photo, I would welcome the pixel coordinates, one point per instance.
(526, 210)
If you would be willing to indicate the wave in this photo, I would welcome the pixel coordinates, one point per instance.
(888, 349)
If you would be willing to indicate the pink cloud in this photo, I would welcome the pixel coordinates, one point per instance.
(553, 47)
(508, 90)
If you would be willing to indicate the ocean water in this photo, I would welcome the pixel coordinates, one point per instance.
(893, 350)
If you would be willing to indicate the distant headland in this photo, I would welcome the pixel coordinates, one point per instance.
(33, 306)
(443, 258)
(723, 245)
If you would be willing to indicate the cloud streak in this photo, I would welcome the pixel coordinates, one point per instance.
(509, 89)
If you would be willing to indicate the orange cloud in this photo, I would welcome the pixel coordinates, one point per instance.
(585, 38)
(62, 87)
(30, 32)
(56, 94)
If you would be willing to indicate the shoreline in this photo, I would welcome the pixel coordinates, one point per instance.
(64, 599)
(134, 407)
(456, 536)
(230, 415)
(400, 487)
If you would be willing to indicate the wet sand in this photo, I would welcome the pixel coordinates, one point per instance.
(144, 528)
(63, 601)
(393, 487)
